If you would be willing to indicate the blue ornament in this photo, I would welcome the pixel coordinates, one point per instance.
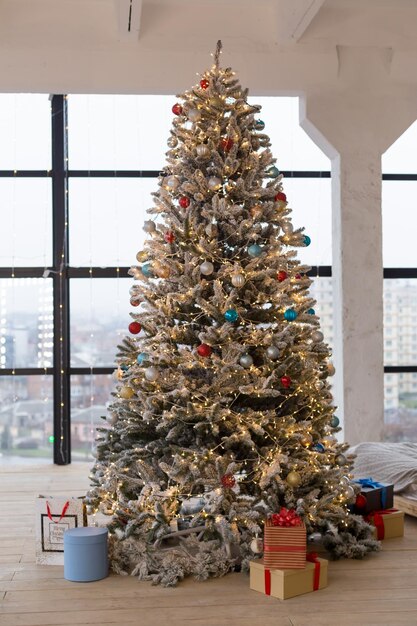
(259, 124)
(254, 250)
(272, 172)
(311, 312)
(318, 447)
(307, 240)
(147, 269)
(142, 357)
(334, 422)
(124, 367)
(290, 315)
(231, 315)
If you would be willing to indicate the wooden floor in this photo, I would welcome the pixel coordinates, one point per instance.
(380, 590)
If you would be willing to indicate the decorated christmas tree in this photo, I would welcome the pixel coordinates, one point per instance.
(222, 413)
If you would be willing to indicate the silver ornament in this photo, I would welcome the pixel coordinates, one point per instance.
(319, 385)
(193, 115)
(272, 353)
(256, 545)
(214, 183)
(238, 280)
(171, 183)
(149, 226)
(349, 492)
(287, 227)
(317, 336)
(246, 360)
(203, 151)
(151, 374)
(206, 268)
(112, 418)
(340, 459)
(172, 142)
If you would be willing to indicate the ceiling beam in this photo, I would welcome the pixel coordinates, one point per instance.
(129, 13)
(294, 16)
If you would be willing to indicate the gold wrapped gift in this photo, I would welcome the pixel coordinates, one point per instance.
(287, 583)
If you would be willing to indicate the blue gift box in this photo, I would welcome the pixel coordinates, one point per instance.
(85, 554)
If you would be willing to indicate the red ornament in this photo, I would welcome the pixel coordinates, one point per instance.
(228, 481)
(169, 236)
(204, 83)
(177, 109)
(360, 502)
(204, 350)
(134, 302)
(280, 197)
(226, 144)
(286, 381)
(184, 202)
(298, 276)
(282, 276)
(135, 328)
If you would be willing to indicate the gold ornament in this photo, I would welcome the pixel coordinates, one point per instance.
(293, 479)
(126, 393)
(306, 439)
(238, 280)
(141, 256)
(203, 151)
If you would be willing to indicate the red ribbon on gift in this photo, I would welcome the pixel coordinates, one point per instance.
(376, 517)
(313, 558)
(64, 510)
(267, 578)
(286, 517)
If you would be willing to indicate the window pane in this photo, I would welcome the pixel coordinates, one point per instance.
(322, 291)
(26, 322)
(25, 131)
(26, 222)
(111, 132)
(310, 200)
(106, 219)
(400, 413)
(89, 397)
(399, 207)
(26, 418)
(400, 322)
(398, 159)
(291, 146)
(99, 319)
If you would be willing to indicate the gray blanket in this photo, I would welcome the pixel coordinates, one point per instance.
(392, 463)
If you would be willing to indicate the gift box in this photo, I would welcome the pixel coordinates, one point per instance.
(387, 524)
(55, 515)
(287, 583)
(374, 496)
(285, 541)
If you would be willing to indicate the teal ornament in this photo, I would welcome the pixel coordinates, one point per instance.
(231, 315)
(142, 358)
(254, 250)
(311, 312)
(318, 447)
(290, 315)
(334, 422)
(147, 270)
(124, 367)
(307, 240)
(272, 172)
(259, 124)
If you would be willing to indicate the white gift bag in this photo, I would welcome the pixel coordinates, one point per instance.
(55, 515)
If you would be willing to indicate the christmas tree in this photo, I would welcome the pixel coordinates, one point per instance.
(223, 412)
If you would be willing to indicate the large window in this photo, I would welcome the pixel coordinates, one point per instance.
(76, 199)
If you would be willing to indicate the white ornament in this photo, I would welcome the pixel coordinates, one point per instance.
(317, 336)
(194, 115)
(214, 183)
(206, 268)
(287, 227)
(171, 183)
(151, 374)
(112, 418)
(272, 353)
(202, 150)
(238, 280)
(246, 360)
(256, 545)
(149, 226)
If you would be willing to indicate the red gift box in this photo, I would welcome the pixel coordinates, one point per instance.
(285, 541)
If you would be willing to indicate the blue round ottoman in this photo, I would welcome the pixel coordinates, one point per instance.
(85, 554)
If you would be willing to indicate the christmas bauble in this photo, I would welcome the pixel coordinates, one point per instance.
(214, 183)
(282, 276)
(231, 315)
(134, 302)
(319, 385)
(280, 197)
(204, 350)
(228, 481)
(211, 230)
(287, 228)
(126, 393)
(318, 447)
(163, 271)
(203, 151)
(310, 312)
(172, 142)
(272, 171)
(298, 276)
(177, 109)
(306, 439)
(135, 328)
(151, 374)
(142, 358)
(246, 360)
(226, 144)
(141, 256)
(360, 501)
(204, 83)
(259, 125)
(207, 268)
(254, 250)
(317, 336)
(331, 369)
(349, 492)
(256, 545)
(169, 236)
(194, 115)
(334, 422)
(293, 479)
(307, 240)
(256, 211)
(147, 269)
(285, 381)
(184, 202)
(290, 315)
(149, 226)
(238, 280)
(340, 459)
(272, 353)
(172, 183)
